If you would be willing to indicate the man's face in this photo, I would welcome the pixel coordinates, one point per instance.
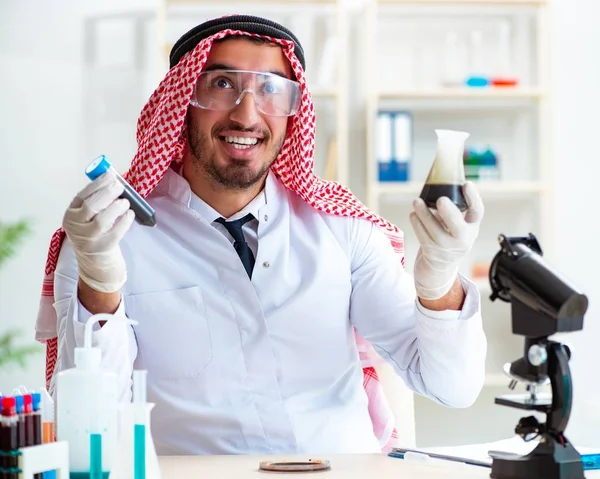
(218, 140)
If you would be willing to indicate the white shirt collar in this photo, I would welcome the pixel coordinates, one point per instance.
(177, 187)
(210, 214)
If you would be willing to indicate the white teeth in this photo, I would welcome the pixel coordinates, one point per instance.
(237, 140)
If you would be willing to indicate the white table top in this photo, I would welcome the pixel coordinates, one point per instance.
(346, 466)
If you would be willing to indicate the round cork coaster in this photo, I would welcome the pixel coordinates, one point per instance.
(312, 465)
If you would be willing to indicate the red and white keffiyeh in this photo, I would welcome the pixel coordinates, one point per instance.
(161, 137)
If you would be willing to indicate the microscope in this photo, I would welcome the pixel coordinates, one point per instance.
(542, 304)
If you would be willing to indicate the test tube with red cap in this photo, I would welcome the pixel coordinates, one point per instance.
(28, 419)
(9, 443)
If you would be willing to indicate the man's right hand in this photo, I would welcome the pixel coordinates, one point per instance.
(95, 222)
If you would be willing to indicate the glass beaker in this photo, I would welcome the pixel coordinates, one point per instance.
(447, 174)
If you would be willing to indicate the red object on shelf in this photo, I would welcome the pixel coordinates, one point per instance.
(504, 82)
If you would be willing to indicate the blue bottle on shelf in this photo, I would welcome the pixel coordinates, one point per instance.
(394, 146)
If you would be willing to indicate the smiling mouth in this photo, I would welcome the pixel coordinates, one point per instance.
(241, 143)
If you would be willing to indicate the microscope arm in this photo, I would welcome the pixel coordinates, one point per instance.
(562, 390)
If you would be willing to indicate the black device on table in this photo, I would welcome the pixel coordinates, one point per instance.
(542, 304)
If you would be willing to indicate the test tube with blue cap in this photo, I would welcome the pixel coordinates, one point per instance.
(144, 213)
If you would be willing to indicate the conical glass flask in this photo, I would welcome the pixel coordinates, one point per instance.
(447, 175)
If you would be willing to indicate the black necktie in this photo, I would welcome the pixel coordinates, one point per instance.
(243, 250)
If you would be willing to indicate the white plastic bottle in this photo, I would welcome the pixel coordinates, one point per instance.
(87, 409)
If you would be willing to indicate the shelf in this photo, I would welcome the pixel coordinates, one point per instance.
(497, 379)
(120, 14)
(460, 93)
(485, 188)
(205, 3)
(495, 3)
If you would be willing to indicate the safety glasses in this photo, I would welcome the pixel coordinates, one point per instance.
(225, 89)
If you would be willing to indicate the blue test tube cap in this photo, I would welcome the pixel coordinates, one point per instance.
(20, 404)
(36, 400)
(97, 167)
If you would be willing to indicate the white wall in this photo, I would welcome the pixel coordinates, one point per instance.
(40, 96)
(41, 144)
(577, 91)
(41, 141)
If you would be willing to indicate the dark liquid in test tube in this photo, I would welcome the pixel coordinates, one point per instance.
(144, 213)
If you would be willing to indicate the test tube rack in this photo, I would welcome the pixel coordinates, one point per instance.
(52, 456)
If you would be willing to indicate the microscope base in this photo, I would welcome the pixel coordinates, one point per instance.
(549, 460)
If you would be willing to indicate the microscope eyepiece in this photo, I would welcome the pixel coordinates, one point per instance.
(519, 275)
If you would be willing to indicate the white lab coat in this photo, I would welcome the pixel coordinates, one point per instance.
(269, 365)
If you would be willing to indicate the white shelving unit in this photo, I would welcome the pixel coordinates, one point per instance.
(147, 36)
(404, 40)
(470, 3)
(322, 28)
(461, 93)
(396, 75)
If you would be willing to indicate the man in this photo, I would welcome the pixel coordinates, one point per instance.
(249, 290)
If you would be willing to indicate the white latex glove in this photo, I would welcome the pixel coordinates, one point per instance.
(95, 222)
(445, 238)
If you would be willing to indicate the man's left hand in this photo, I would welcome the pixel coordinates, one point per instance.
(445, 238)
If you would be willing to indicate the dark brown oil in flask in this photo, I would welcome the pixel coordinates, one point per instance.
(447, 174)
(431, 193)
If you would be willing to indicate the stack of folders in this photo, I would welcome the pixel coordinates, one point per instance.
(394, 145)
(479, 454)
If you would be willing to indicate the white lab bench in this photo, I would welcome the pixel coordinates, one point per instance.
(344, 466)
